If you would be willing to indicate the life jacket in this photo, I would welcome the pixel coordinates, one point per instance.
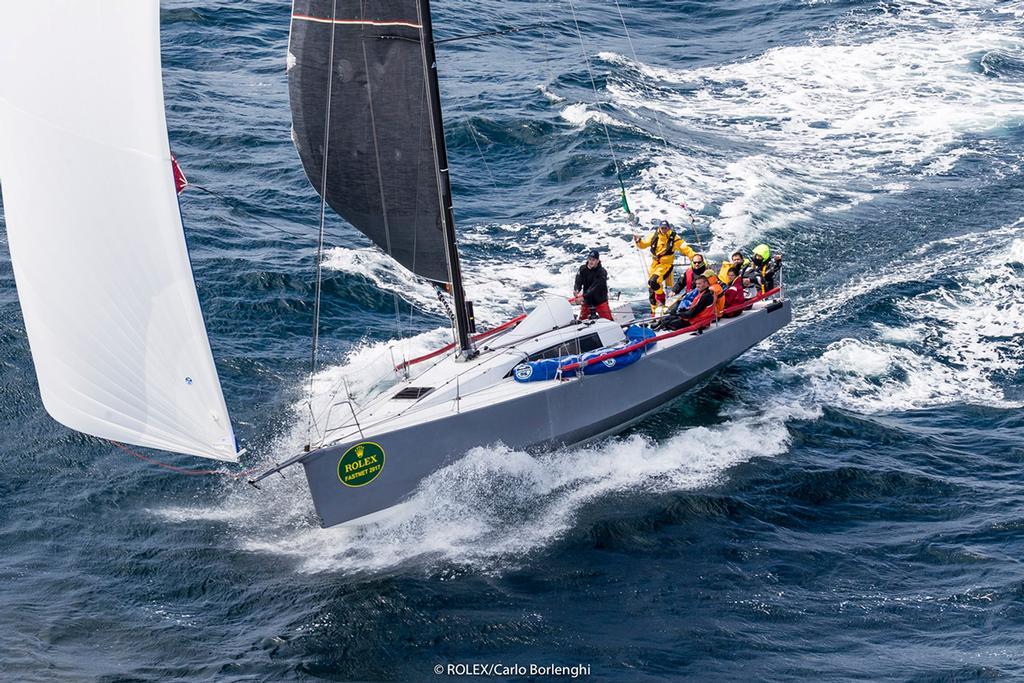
(691, 276)
(723, 272)
(716, 287)
(705, 317)
(669, 247)
(754, 270)
(764, 272)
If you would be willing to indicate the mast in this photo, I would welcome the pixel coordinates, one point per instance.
(444, 188)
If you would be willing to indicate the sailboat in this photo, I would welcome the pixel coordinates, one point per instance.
(112, 316)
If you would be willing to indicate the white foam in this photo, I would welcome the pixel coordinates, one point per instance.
(870, 378)
(550, 96)
(580, 114)
(923, 262)
(192, 514)
(900, 335)
(1015, 254)
(494, 507)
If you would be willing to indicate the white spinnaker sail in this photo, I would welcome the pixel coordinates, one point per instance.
(95, 234)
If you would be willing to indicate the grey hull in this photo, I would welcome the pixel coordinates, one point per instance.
(569, 412)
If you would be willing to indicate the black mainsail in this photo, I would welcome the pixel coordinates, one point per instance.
(367, 125)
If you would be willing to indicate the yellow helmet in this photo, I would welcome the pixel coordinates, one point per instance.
(763, 251)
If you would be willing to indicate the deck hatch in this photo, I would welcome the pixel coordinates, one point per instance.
(413, 393)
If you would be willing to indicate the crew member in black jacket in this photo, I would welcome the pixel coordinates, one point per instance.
(591, 289)
(762, 270)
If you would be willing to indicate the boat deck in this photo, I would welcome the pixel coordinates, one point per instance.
(445, 385)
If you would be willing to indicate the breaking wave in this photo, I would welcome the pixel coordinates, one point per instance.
(495, 506)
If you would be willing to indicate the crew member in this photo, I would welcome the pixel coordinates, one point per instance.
(701, 312)
(737, 259)
(717, 290)
(763, 269)
(663, 243)
(591, 289)
(734, 294)
(687, 282)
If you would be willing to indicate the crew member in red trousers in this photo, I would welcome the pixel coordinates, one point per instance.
(591, 289)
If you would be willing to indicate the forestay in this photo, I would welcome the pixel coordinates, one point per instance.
(96, 240)
(367, 110)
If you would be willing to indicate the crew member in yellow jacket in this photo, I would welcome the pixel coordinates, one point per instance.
(663, 243)
(737, 259)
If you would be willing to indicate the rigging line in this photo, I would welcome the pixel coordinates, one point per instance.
(182, 470)
(415, 212)
(643, 81)
(323, 220)
(487, 167)
(514, 29)
(398, 314)
(604, 125)
(376, 152)
(547, 51)
(693, 226)
(649, 91)
(380, 170)
(593, 85)
(661, 130)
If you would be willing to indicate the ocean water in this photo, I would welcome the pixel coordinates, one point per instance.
(843, 502)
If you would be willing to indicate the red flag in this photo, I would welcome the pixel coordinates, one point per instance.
(180, 182)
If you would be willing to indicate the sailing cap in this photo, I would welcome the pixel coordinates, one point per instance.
(763, 251)
(664, 224)
(593, 254)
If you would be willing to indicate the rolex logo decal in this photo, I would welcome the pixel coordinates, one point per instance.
(361, 464)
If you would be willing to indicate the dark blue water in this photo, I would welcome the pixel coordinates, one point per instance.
(844, 502)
